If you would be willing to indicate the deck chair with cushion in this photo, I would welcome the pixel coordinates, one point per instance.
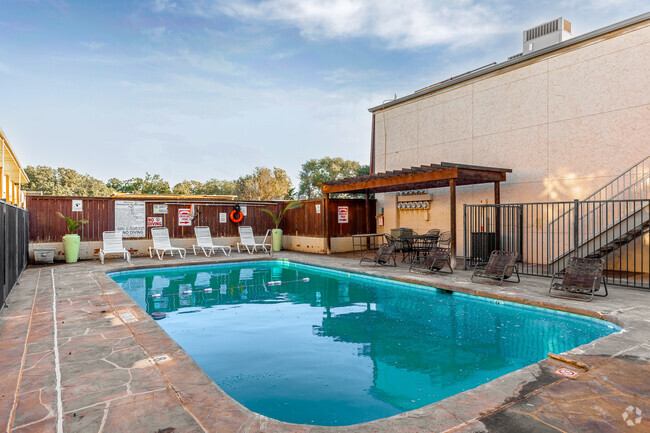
(247, 240)
(204, 242)
(499, 267)
(113, 245)
(435, 261)
(580, 280)
(382, 256)
(161, 242)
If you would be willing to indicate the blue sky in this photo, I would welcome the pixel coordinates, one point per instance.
(200, 89)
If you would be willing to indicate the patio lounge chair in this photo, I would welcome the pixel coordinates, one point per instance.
(247, 240)
(499, 267)
(435, 261)
(380, 257)
(581, 277)
(204, 242)
(161, 242)
(113, 245)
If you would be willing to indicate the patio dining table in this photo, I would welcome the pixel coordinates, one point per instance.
(416, 247)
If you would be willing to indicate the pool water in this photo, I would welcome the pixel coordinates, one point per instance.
(326, 347)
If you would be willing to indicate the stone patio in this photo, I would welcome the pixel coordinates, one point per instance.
(109, 382)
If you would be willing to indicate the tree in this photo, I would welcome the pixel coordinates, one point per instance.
(264, 184)
(64, 181)
(188, 187)
(325, 170)
(151, 184)
(219, 187)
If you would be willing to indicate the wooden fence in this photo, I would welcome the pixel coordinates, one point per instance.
(309, 220)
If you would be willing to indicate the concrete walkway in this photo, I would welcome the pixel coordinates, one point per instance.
(86, 358)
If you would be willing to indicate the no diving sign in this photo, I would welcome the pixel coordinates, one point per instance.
(343, 214)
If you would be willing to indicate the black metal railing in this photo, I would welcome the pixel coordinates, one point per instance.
(546, 235)
(14, 231)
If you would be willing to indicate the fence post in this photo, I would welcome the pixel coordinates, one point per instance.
(465, 236)
(576, 226)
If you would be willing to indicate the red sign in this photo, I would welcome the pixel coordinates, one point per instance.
(154, 222)
(343, 212)
(184, 217)
(566, 372)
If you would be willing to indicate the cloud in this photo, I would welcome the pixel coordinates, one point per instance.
(93, 46)
(404, 24)
(154, 33)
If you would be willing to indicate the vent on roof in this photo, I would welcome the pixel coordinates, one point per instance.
(547, 34)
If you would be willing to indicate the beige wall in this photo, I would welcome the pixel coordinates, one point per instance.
(565, 123)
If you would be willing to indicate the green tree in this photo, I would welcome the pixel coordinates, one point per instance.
(188, 187)
(264, 184)
(151, 184)
(219, 187)
(325, 170)
(64, 181)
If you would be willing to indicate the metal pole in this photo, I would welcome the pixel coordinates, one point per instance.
(576, 226)
(452, 215)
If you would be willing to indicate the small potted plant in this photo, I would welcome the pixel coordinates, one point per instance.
(277, 232)
(71, 241)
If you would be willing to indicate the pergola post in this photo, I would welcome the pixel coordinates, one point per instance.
(452, 216)
(327, 223)
(367, 218)
(497, 214)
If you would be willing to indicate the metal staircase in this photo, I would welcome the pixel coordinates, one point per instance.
(613, 216)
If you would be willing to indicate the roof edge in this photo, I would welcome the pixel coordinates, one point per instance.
(573, 41)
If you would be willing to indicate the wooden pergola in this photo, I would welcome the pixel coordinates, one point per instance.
(443, 175)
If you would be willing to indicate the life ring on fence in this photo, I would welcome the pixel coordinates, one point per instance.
(236, 215)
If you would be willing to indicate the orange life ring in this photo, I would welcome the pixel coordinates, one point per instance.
(236, 219)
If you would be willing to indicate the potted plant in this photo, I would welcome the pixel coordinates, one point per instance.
(277, 232)
(71, 241)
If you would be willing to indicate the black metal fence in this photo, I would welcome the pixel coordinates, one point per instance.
(14, 229)
(546, 235)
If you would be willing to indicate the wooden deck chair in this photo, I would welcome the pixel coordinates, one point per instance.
(435, 261)
(582, 278)
(499, 267)
(161, 242)
(382, 256)
(247, 240)
(204, 242)
(113, 245)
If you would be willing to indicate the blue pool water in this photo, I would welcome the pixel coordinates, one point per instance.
(326, 347)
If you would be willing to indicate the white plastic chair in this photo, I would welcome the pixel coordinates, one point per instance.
(204, 242)
(247, 239)
(113, 245)
(161, 242)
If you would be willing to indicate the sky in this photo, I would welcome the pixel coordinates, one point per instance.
(202, 89)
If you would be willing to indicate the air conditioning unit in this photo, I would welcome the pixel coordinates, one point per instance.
(546, 35)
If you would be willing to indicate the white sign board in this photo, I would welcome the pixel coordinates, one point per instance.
(154, 221)
(184, 217)
(223, 217)
(343, 212)
(244, 209)
(317, 208)
(130, 218)
(77, 205)
(160, 209)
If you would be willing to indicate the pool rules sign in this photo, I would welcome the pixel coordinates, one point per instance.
(130, 218)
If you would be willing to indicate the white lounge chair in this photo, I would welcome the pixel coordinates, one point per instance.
(161, 242)
(204, 242)
(113, 245)
(247, 240)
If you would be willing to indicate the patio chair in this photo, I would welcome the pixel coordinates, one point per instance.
(500, 266)
(161, 242)
(382, 256)
(247, 240)
(433, 232)
(204, 242)
(113, 245)
(435, 261)
(444, 239)
(582, 277)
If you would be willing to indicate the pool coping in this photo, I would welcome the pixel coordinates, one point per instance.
(201, 395)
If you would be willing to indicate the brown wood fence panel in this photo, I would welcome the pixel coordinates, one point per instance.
(46, 226)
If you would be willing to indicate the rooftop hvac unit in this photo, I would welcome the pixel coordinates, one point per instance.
(546, 35)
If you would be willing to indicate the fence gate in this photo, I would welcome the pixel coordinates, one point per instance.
(13, 250)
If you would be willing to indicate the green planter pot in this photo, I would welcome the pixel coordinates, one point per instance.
(277, 239)
(71, 248)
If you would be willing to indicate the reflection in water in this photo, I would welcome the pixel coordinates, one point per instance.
(338, 350)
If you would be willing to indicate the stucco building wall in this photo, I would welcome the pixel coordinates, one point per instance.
(566, 123)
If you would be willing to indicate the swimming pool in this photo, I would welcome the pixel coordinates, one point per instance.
(312, 345)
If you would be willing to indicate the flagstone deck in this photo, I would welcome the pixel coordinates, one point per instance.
(90, 343)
